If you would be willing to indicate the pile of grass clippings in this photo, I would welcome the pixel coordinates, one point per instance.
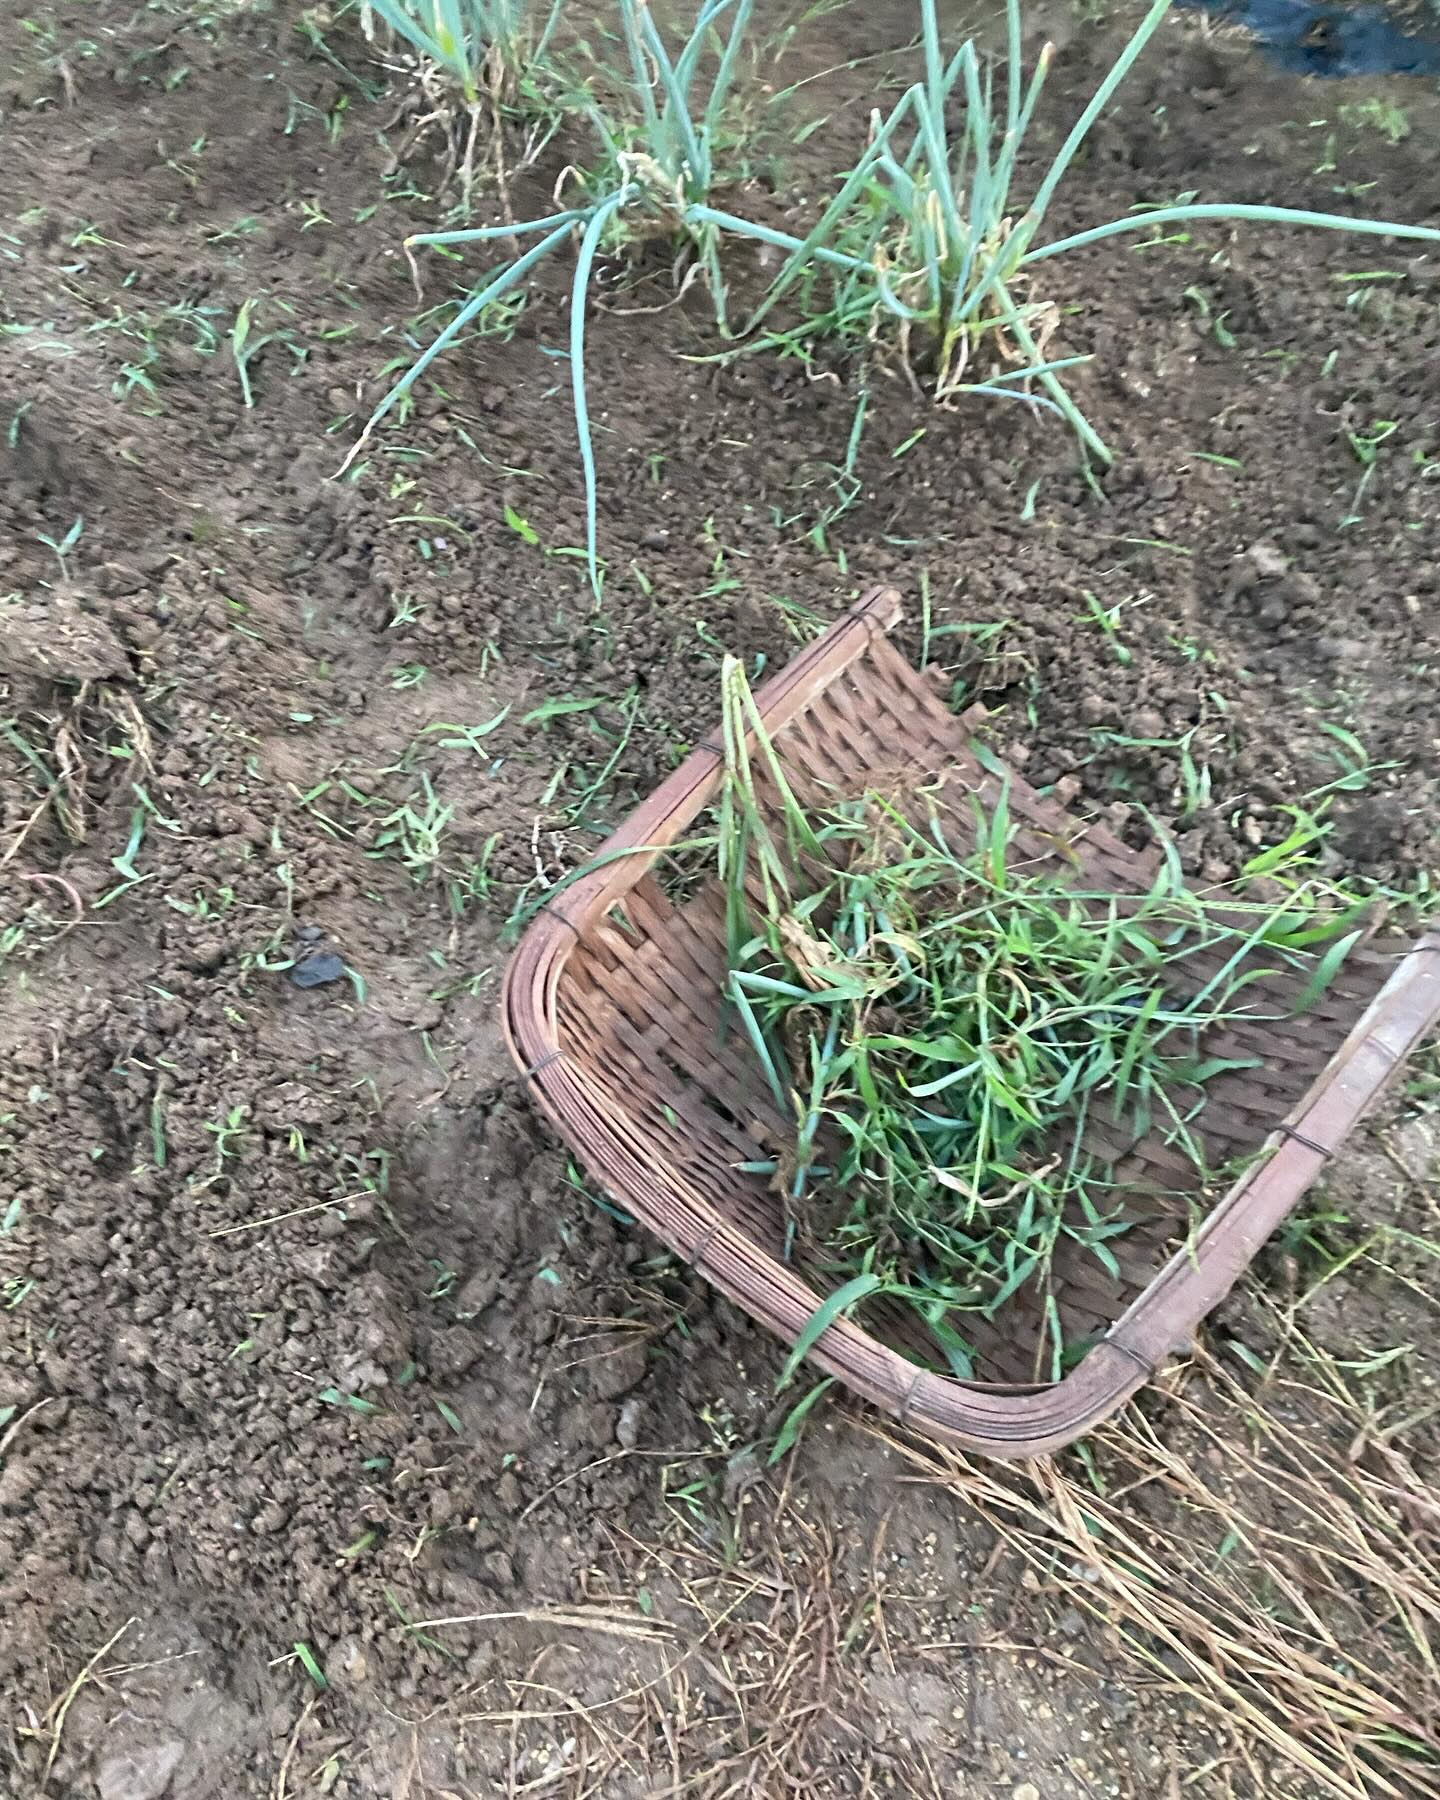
(944, 1022)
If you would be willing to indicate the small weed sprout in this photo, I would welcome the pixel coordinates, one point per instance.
(61, 547)
(248, 342)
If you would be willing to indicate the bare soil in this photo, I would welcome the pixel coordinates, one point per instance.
(311, 1335)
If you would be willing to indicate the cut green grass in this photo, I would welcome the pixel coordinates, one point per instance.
(944, 1026)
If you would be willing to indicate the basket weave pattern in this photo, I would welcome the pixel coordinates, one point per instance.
(613, 1010)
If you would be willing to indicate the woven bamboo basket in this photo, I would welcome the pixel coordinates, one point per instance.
(612, 1008)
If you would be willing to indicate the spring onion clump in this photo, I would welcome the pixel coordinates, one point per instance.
(927, 247)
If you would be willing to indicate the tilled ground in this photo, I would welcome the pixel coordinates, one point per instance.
(311, 1336)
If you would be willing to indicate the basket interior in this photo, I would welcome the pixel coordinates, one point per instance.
(639, 1007)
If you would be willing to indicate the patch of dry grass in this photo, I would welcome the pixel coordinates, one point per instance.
(749, 1693)
(1271, 1557)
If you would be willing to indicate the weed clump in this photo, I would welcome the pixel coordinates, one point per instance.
(962, 1037)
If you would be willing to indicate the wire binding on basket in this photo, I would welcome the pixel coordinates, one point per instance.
(1299, 1137)
(1142, 1363)
(696, 1254)
(538, 1068)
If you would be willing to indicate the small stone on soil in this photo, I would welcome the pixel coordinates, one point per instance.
(478, 1291)
(347, 1664)
(1267, 561)
(1274, 610)
(271, 1518)
(618, 1371)
(142, 1775)
(317, 970)
(453, 1352)
(627, 1426)
(499, 1569)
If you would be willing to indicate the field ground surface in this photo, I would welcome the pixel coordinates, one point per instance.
(347, 1445)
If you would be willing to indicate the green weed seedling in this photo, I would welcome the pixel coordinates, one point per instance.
(62, 547)
(247, 343)
(1365, 447)
(1392, 122)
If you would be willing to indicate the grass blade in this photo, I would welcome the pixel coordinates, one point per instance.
(789, 1432)
(1264, 215)
(836, 1306)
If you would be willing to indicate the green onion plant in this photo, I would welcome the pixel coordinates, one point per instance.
(485, 47)
(654, 176)
(922, 246)
(924, 242)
